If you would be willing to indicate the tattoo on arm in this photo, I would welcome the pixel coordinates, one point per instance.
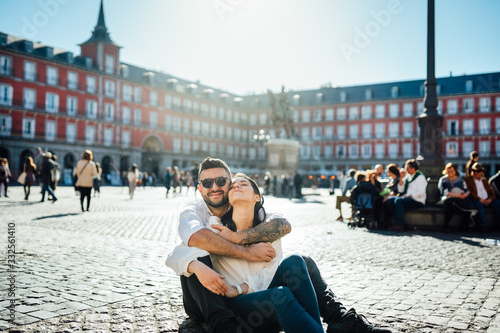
(266, 232)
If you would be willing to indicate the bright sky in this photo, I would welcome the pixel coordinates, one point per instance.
(247, 46)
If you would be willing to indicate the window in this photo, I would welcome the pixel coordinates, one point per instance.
(420, 107)
(71, 105)
(29, 98)
(366, 151)
(329, 132)
(468, 126)
(229, 133)
(176, 124)
(70, 132)
(229, 113)
(186, 146)
(408, 109)
(468, 105)
(366, 112)
(262, 118)
(380, 130)
(497, 125)
(497, 104)
(469, 86)
(5, 65)
(394, 92)
(51, 102)
(91, 84)
(153, 119)
(407, 150)
(50, 130)
(196, 146)
(329, 114)
(353, 131)
(485, 104)
(295, 116)
(153, 99)
(343, 96)
(467, 148)
(304, 133)
(452, 106)
(28, 128)
(367, 131)
(305, 151)
(205, 128)
(126, 139)
(237, 134)
(484, 148)
(316, 152)
(368, 94)
(109, 64)
(89, 135)
(109, 88)
(168, 122)
(497, 148)
(186, 125)
(484, 126)
(91, 109)
(72, 80)
(393, 150)
(440, 107)
(341, 132)
(253, 119)
(29, 71)
(328, 152)
(109, 112)
(127, 92)
(380, 111)
(51, 76)
(137, 95)
(408, 129)
(353, 151)
(379, 150)
(452, 127)
(393, 130)
(306, 116)
(5, 125)
(5, 94)
(452, 149)
(137, 117)
(108, 137)
(340, 151)
(317, 133)
(341, 114)
(317, 115)
(236, 117)
(126, 115)
(168, 101)
(394, 110)
(353, 113)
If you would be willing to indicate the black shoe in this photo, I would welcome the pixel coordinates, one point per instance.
(54, 200)
(228, 325)
(357, 323)
(42, 200)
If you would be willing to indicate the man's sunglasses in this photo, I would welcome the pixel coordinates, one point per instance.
(209, 182)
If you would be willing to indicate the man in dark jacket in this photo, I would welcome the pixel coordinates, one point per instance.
(47, 173)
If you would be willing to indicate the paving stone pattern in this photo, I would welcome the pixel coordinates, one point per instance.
(103, 271)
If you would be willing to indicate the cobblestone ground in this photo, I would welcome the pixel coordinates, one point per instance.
(103, 271)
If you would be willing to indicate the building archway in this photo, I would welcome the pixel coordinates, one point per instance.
(151, 156)
(109, 171)
(23, 156)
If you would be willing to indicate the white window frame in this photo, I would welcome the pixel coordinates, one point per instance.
(340, 151)
(393, 130)
(484, 148)
(407, 150)
(6, 93)
(29, 127)
(380, 111)
(71, 132)
(109, 112)
(50, 130)
(354, 151)
(394, 110)
(91, 109)
(329, 115)
(468, 127)
(90, 134)
(452, 149)
(452, 106)
(393, 150)
(407, 109)
(109, 64)
(341, 132)
(467, 147)
(51, 102)
(137, 117)
(91, 84)
(407, 129)
(353, 112)
(72, 80)
(366, 112)
(379, 130)
(127, 92)
(153, 98)
(153, 119)
(450, 127)
(468, 105)
(52, 76)
(5, 65)
(71, 105)
(379, 150)
(5, 125)
(109, 88)
(366, 151)
(341, 113)
(137, 95)
(126, 139)
(367, 131)
(29, 70)
(485, 104)
(29, 98)
(126, 114)
(484, 126)
(108, 137)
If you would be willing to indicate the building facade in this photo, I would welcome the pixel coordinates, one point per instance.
(52, 99)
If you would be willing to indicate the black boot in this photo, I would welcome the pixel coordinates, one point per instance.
(356, 323)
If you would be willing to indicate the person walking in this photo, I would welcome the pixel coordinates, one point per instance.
(132, 176)
(47, 173)
(86, 171)
(98, 179)
(167, 181)
(30, 169)
(5, 175)
(56, 173)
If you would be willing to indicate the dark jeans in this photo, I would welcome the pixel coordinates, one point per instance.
(46, 188)
(457, 205)
(290, 300)
(85, 193)
(399, 205)
(495, 205)
(202, 305)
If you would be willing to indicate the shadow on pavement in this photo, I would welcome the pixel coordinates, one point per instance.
(54, 216)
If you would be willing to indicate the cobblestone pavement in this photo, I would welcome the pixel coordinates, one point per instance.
(103, 271)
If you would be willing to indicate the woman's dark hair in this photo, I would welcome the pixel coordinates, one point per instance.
(451, 165)
(394, 169)
(259, 213)
(87, 155)
(412, 163)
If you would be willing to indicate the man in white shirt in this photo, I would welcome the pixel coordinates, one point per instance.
(413, 189)
(482, 194)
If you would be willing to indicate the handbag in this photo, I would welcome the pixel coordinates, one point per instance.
(22, 178)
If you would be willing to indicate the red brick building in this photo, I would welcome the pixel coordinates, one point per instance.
(126, 114)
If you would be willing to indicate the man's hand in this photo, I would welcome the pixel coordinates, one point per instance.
(260, 252)
(227, 234)
(209, 278)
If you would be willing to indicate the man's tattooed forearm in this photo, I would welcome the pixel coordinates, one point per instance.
(266, 232)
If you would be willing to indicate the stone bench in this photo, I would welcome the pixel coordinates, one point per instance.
(431, 217)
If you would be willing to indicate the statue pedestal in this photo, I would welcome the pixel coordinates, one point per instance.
(282, 156)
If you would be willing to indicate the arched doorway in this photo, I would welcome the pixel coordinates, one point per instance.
(68, 164)
(150, 161)
(110, 173)
(22, 158)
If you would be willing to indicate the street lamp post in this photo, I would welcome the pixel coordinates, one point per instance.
(261, 138)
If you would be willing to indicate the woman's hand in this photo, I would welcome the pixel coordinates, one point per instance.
(227, 234)
(209, 278)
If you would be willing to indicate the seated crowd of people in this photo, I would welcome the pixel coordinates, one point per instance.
(406, 189)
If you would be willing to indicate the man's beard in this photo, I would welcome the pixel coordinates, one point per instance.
(216, 204)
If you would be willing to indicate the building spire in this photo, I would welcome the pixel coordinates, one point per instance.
(100, 33)
(100, 20)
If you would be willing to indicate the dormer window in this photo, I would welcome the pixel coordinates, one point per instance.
(368, 94)
(296, 100)
(148, 77)
(469, 86)
(319, 98)
(394, 92)
(343, 96)
(110, 64)
(172, 83)
(124, 70)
